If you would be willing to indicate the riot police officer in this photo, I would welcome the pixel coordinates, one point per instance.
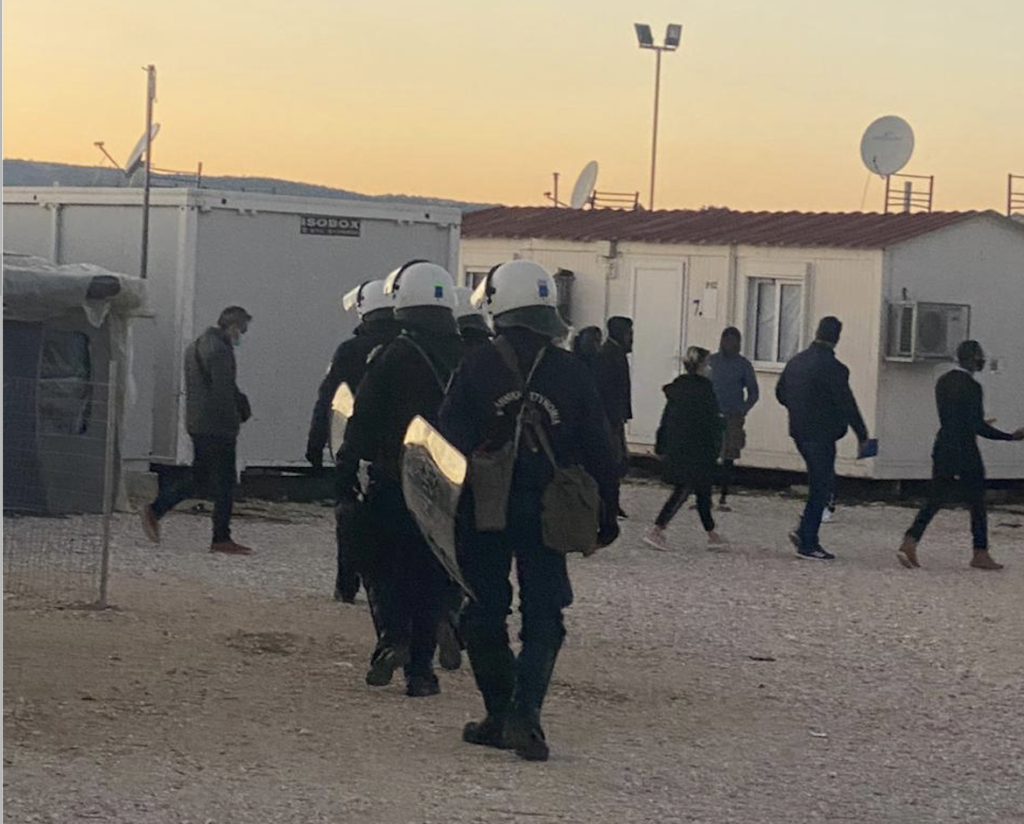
(377, 327)
(479, 417)
(408, 378)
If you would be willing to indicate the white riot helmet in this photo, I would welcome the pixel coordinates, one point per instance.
(367, 297)
(468, 314)
(522, 293)
(419, 283)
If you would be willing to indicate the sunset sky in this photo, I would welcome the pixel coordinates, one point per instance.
(763, 105)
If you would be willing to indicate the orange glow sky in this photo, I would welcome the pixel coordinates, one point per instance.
(762, 107)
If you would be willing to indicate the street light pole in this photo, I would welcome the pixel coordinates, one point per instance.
(150, 97)
(654, 130)
(646, 41)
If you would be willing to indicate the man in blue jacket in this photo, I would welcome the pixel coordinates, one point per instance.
(815, 389)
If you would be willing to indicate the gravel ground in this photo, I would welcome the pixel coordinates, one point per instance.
(735, 686)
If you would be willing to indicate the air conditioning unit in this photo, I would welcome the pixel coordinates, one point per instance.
(921, 331)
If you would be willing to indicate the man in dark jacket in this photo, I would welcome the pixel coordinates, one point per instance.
(611, 369)
(479, 416)
(956, 459)
(214, 411)
(404, 581)
(815, 388)
(376, 329)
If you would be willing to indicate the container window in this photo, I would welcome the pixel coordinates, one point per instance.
(774, 319)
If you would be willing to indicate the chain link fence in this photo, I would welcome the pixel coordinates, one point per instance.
(59, 487)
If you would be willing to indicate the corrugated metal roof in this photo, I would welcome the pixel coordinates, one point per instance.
(850, 230)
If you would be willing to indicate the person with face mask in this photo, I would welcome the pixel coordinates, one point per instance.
(957, 466)
(406, 584)
(215, 409)
(524, 398)
(815, 389)
(377, 327)
(689, 441)
(735, 384)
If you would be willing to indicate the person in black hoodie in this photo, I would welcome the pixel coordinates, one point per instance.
(479, 416)
(815, 389)
(377, 328)
(956, 459)
(689, 441)
(614, 383)
(408, 378)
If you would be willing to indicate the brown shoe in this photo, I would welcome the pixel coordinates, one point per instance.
(982, 560)
(230, 548)
(150, 524)
(907, 553)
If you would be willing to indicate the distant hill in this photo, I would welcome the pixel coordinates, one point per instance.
(41, 173)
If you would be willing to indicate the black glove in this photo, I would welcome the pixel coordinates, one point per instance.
(315, 456)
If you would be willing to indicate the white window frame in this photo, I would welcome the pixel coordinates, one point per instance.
(750, 340)
(471, 273)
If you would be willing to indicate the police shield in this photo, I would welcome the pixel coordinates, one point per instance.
(433, 472)
(341, 410)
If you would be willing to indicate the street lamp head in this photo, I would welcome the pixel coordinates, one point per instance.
(644, 36)
(673, 34)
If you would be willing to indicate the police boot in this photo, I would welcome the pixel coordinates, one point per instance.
(534, 669)
(494, 671)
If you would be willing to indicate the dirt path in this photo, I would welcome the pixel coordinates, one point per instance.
(741, 686)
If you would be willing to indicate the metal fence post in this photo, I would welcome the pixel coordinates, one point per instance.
(109, 484)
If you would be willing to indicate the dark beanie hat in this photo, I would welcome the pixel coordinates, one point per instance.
(829, 329)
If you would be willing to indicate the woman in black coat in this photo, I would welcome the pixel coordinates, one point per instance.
(689, 442)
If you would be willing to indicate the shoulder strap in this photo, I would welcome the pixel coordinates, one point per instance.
(442, 385)
(508, 354)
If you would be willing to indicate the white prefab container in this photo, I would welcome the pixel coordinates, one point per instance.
(682, 294)
(287, 260)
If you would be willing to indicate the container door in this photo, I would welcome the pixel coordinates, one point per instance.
(658, 312)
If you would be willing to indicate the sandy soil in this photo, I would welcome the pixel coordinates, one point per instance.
(734, 686)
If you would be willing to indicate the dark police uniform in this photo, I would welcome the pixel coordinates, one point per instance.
(480, 413)
(405, 581)
(347, 366)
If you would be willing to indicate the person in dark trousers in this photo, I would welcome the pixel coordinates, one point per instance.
(404, 581)
(479, 416)
(615, 387)
(587, 344)
(377, 327)
(957, 466)
(815, 389)
(689, 441)
(215, 410)
(735, 383)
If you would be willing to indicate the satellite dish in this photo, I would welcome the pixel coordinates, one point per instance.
(135, 158)
(887, 145)
(584, 186)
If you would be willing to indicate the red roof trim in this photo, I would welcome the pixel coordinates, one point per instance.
(719, 227)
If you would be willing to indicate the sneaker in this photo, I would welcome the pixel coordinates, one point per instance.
(716, 541)
(826, 516)
(982, 560)
(422, 686)
(383, 664)
(150, 524)
(229, 547)
(724, 507)
(487, 733)
(816, 554)
(907, 553)
(526, 737)
(449, 650)
(655, 537)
